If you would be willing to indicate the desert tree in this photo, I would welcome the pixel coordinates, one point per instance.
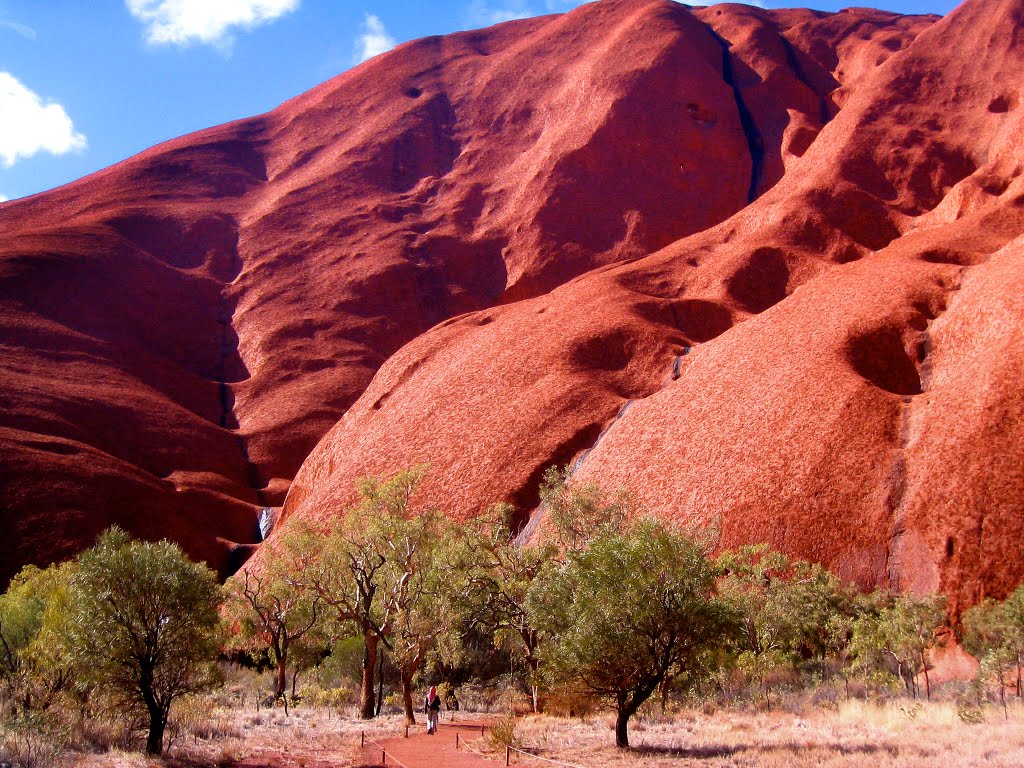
(626, 611)
(497, 570)
(142, 624)
(491, 579)
(270, 610)
(576, 512)
(370, 568)
(427, 620)
(34, 667)
(893, 634)
(785, 609)
(993, 632)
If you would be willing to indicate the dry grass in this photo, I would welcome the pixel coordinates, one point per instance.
(307, 738)
(854, 735)
(858, 735)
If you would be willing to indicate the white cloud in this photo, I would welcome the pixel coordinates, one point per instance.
(30, 126)
(22, 29)
(373, 40)
(181, 22)
(4, 198)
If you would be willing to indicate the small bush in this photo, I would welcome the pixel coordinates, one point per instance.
(969, 712)
(31, 741)
(503, 733)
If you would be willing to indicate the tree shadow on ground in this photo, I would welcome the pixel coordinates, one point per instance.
(708, 751)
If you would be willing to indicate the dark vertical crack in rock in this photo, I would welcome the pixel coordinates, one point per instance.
(824, 113)
(230, 369)
(755, 142)
(898, 473)
(897, 495)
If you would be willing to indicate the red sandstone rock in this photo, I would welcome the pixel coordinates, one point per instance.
(832, 370)
(181, 329)
(767, 257)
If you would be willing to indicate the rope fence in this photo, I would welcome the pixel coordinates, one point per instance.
(463, 744)
(509, 749)
(384, 754)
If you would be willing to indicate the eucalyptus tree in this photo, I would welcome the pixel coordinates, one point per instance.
(785, 609)
(270, 610)
(369, 570)
(626, 611)
(894, 634)
(993, 631)
(142, 625)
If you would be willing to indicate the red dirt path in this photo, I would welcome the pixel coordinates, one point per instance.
(420, 750)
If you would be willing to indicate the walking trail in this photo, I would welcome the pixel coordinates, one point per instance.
(421, 750)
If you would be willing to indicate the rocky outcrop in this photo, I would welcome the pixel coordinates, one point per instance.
(754, 266)
(830, 370)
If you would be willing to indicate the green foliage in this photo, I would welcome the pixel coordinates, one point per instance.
(503, 733)
(377, 573)
(273, 611)
(31, 740)
(785, 607)
(141, 624)
(628, 610)
(579, 512)
(489, 579)
(892, 634)
(34, 667)
(994, 633)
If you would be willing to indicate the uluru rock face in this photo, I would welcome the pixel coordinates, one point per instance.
(758, 267)
(830, 370)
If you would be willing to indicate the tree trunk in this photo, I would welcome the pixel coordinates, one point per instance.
(295, 675)
(155, 740)
(367, 696)
(157, 717)
(533, 663)
(380, 685)
(1002, 694)
(621, 724)
(927, 682)
(1020, 692)
(282, 677)
(410, 716)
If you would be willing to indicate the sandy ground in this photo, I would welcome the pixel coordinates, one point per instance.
(856, 735)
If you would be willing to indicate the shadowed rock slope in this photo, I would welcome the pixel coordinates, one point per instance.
(767, 257)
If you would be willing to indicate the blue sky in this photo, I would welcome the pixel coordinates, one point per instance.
(86, 84)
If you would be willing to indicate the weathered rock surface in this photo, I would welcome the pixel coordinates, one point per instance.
(766, 260)
(833, 370)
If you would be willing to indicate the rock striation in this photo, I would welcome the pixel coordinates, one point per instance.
(761, 268)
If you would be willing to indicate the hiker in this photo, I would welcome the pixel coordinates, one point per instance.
(432, 706)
